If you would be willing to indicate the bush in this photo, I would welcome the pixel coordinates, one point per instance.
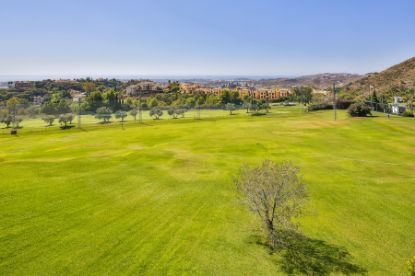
(343, 104)
(408, 113)
(359, 109)
(320, 106)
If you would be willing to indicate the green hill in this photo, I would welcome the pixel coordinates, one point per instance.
(396, 78)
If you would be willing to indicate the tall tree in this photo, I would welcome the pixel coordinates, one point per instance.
(275, 193)
(303, 94)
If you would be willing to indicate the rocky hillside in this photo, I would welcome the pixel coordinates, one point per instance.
(397, 77)
(319, 81)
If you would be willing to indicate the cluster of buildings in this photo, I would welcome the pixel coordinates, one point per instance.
(149, 88)
(256, 93)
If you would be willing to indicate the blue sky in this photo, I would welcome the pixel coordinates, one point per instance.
(211, 37)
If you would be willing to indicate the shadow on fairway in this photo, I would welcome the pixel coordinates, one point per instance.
(303, 255)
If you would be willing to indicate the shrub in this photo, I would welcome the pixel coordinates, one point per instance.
(320, 106)
(359, 109)
(408, 113)
(343, 104)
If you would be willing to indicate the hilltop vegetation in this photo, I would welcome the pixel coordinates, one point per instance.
(319, 81)
(396, 80)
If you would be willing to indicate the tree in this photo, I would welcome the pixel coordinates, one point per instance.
(153, 102)
(121, 115)
(303, 94)
(190, 102)
(231, 107)
(95, 100)
(180, 112)
(17, 121)
(111, 99)
(49, 108)
(54, 108)
(172, 112)
(134, 113)
(173, 86)
(359, 109)
(247, 102)
(63, 107)
(65, 119)
(88, 86)
(12, 102)
(49, 119)
(225, 96)
(156, 113)
(200, 100)
(235, 97)
(275, 193)
(104, 114)
(6, 119)
(256, 107)
(266, 107)
(212, 100)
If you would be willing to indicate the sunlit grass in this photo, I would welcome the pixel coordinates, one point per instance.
(158, 197)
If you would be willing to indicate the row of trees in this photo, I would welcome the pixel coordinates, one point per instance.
(63, 113)
(105, 114)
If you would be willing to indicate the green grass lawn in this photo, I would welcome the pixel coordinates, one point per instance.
(158, 198)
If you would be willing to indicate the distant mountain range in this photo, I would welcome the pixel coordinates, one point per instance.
(318, 81)
(397, 77)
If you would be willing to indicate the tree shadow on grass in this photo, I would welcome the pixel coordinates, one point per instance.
(302, 255)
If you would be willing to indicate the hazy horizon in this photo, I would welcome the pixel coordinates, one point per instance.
(6, 78)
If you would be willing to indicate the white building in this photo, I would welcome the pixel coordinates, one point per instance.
(398, 107)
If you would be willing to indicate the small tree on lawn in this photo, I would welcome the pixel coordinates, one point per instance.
(49, 119)
(104, 114)
(134, 113)
(275, 193)
(256, 108)
(172, 112)
(121, 115)
(231, 107)
(266, 106)
(180, 112)
(65, 119)
(6, 119)
(247, 102)
(156, 113)
(17, 121)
